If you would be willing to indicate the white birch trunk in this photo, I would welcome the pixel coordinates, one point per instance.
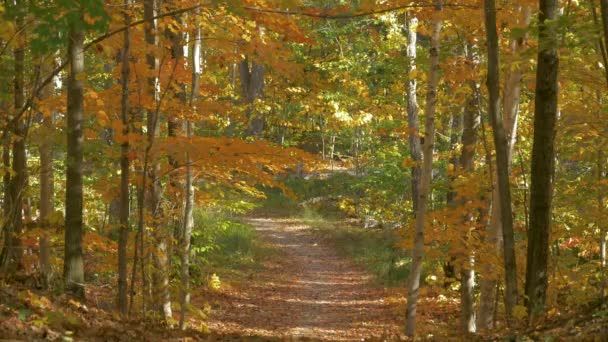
(425, 181)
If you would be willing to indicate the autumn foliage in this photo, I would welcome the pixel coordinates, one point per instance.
(466, 137)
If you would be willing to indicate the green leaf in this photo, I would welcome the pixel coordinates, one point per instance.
(23, 313)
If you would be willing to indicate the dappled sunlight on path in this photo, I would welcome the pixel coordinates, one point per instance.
(308, 292)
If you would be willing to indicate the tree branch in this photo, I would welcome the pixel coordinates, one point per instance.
(351, 15)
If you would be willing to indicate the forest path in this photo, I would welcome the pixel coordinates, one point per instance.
(308, 293)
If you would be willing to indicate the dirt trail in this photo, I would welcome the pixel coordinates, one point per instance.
(309, 293)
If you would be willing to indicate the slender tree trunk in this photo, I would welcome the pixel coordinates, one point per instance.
(456, 131)
(602, 53)
(412, 110)
(543, 160)
(134, 268)
(601, 175)
(502, 161)
(512, 90)
(10, 257)
(332, 149)
(19, 180)
(6, 164)
(511, 98)
(73, 267)
(123, 236)
(600, 157)
(6, 233)
(176, 127)
(455, 134)
(471, 121)
(160, 289)
(252, 88)
(46, 187)
(604, 14)
(188, 224)
(427, 170)
(138, 244)
(189, 207)
(111, 217)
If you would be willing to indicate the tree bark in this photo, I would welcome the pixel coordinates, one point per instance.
(600, 176)
(176, 126)
(502, 161)
(189, 205)
(6, 164)
(47, 190)
(601, 173)
(162, 298)
(10, 256)
(543, 160)
(455, 134)
(73, 268)
(604, 14)
(425, 181)
(412, 110)
(123, 236)
(471, 122)
(252, 88)
(511, 98)
(456, 131)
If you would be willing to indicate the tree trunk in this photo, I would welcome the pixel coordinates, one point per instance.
(412, 110)
(189, 205)
(543, 160)
(600, 158)
(502, 161)
(472, 119)
(6, 164)
(601, 175)
(604, 14)
(10, 256)
(252, 88)
(455, 134)
(123, 236)
(602, 54)
(176, 126)
(46, 187)
(456, 131)
(425, 181)
(73, 268)
(332, 150)
(162, 298)
(511, 97)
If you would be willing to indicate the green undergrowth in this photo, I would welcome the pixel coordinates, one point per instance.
(329, 190)
(372, 249)
(277, 204)
(225, 245)
(320, 203)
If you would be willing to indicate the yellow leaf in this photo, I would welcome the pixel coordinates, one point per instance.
(520, 312)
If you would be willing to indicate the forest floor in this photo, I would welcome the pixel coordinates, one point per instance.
(304, 290)
(307, 292)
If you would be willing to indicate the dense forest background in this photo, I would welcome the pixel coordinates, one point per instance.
(453, 149)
